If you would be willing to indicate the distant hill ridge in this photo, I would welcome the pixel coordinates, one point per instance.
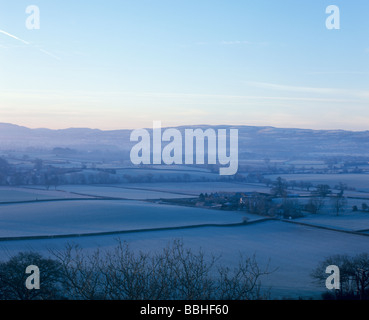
(257, 140)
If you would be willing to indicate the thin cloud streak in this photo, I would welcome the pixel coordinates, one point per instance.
(289, 88)
(240, 42)
(28, 43)
(14, 37)
(50, 54)
(229, 43)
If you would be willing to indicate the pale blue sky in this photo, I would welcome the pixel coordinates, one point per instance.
(122, 64)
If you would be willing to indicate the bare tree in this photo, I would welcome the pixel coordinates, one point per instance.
(338, 202)
(323, 190)
(258, 204)
(343, 263)
(360, 271)
(364, 206)
(315, 204)
(191, 272)
(291, 208)
(279, 188)
(175, 272)
(354, 275)
(127, 274)
(81, 273)
(243, 283)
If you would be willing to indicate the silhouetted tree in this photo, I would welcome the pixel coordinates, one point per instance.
(338, 202)
(176, 272)
(279, 188)
(13, 277)
(354, 275)
(315, 204)
(322, 190)
(38, 164)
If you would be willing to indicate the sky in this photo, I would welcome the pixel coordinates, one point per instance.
(124, 64)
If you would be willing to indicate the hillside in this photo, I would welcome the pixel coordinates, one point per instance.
(254, 142)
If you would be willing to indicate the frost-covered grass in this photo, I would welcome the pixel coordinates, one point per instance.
(14, 194)
(352, 221)
(294, 249)
(346, 220)
(70, 217)
(357, 194)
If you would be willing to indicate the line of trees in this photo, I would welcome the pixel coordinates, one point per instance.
(316, 201)
(175, 273)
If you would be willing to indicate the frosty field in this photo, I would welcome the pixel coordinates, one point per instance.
(91, 216)
(16, 194)
(293, 249)
(345, 221)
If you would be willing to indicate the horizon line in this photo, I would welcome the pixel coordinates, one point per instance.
(179, 126)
